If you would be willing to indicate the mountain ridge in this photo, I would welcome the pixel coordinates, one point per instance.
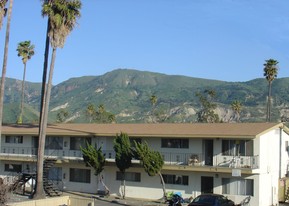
(126, 93)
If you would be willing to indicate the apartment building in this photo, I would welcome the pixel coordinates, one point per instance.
(233, 159)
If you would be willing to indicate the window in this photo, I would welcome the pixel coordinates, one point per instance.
(133, 139)
(76, 142)
(12, 168)
(237, 186)
(237, 147)
(79, 175)
(14, 139)
(55, 173)
(176, 179)
(54, 143)
(175, 143)
(129, 176)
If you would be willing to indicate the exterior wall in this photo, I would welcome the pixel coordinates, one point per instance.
(265, 177)
(77, 186)
(238, 198)
(284, 154)
(269, 152)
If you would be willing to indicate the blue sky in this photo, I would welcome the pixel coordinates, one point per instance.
(213, 39)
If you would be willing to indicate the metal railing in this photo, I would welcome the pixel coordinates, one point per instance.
(190, 159)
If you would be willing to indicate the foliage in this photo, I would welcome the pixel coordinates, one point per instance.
(207, 114)
(123, 152)
(100, 115)
(94, 158)
(61, 116)
(237, 107)
(270, 69)
(63, 15)
(123, 155)
(153, 100)
(25, 50)
(151, 160)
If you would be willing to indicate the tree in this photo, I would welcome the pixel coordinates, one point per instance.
(153, 100)
(207, 113)
(94, 158)
(61, 116)
(123, 156)
(5, 59)
(270, 73)
(90, 112)
(62, 15)
(25, 50)
(152, 161)
(100, 115)
(237, 107)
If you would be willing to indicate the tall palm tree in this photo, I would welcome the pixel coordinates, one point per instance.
(270, 73)
(153, 100)
(62, 15)
(237, 107)
(4, 68)
(25, 50)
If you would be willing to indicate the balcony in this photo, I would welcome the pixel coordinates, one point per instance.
(199, 162)
(172, 160)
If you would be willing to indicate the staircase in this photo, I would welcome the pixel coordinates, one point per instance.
(19, 184)
(48, 185)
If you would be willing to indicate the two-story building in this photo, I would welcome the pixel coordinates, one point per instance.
(233, 159)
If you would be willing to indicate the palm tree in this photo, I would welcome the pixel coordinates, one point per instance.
(4, 68)
(25, 50)
(237, 107)
(153, 100)
(270, 73)
(90, 112)
(3, 11)
(62, 15)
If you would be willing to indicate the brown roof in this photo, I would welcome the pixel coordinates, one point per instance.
(212, 130)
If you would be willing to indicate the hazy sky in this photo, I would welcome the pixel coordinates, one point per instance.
(213, 39)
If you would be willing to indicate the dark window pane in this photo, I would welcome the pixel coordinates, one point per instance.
(79, 175)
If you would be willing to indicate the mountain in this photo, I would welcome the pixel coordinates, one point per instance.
(126, 93)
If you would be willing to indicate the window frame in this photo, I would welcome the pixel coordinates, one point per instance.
(75, 175)
(129, 176)
(176, 179)
(78, 141)
(232, 186)
(237, 147)
(174, 143)
(10, 139)
(18, 168)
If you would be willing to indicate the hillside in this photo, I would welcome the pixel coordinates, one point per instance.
(126, 93)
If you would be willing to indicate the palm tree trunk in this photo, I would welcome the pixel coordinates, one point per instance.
(44, 75)
(5, 58)
(43, 127)
(269, 101)
(22, 95)
(39, 192)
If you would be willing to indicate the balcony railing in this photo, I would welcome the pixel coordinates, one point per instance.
(188, 159)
